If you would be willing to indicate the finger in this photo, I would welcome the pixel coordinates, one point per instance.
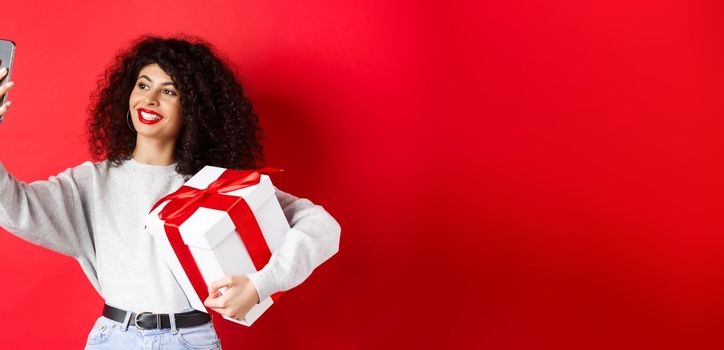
(224, 282)
(222, 311)
(4, 108)
(3, 72)
(218, 293)
(5, 87)
(216, 302)
(228, 313)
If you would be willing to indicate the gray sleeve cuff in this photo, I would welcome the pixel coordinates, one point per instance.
(263, 282)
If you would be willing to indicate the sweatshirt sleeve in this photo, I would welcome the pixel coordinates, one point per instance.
(47, 213)
(312, 239)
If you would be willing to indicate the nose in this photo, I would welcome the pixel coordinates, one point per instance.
(150, 100)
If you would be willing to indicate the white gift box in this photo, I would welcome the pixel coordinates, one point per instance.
(213, 241)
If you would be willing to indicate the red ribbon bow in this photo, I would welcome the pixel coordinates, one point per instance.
(189, 198)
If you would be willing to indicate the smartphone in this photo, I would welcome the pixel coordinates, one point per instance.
(7, 54)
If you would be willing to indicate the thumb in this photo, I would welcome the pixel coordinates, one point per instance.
(218, 284)
(213, 301)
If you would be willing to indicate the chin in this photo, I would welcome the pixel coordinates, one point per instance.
(154, 134)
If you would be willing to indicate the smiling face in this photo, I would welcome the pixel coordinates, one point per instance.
(155, 105)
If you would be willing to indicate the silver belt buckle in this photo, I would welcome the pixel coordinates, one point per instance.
(158, 321)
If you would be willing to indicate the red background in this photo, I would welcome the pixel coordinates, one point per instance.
(520, 174)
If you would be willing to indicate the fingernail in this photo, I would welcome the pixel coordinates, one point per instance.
(9, 103)
(4, 69)
(11, 84)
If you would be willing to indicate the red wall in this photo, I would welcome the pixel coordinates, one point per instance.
(533, 174)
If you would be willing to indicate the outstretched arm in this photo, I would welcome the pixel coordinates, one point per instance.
(47, 213)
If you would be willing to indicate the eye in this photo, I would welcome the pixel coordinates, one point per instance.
(141, 85)
(169, 92)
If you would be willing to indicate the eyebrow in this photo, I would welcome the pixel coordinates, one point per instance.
(149, 79)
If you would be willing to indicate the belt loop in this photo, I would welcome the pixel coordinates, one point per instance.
(124, 327)
(172, 319)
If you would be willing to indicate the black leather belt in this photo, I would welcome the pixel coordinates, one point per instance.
(147, 320)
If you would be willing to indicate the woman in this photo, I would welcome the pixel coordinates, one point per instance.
(165, 108)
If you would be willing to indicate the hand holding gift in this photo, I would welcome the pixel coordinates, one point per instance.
(232, 296)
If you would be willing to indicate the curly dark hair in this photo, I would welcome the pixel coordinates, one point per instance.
(220, 127)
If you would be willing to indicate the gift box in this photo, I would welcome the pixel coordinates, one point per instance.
(220, 222)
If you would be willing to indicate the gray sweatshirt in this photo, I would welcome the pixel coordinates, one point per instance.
(94, 213)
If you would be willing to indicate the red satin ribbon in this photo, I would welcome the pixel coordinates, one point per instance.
(186, 200)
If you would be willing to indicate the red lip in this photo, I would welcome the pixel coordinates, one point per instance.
(148, 121)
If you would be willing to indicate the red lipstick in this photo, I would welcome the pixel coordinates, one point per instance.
(150, 117)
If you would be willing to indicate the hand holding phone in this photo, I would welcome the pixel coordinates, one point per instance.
(7, 54)
(3, 92)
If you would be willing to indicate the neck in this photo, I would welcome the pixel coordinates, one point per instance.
(153, 152)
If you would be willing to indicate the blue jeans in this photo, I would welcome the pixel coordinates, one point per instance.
(109, 334)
